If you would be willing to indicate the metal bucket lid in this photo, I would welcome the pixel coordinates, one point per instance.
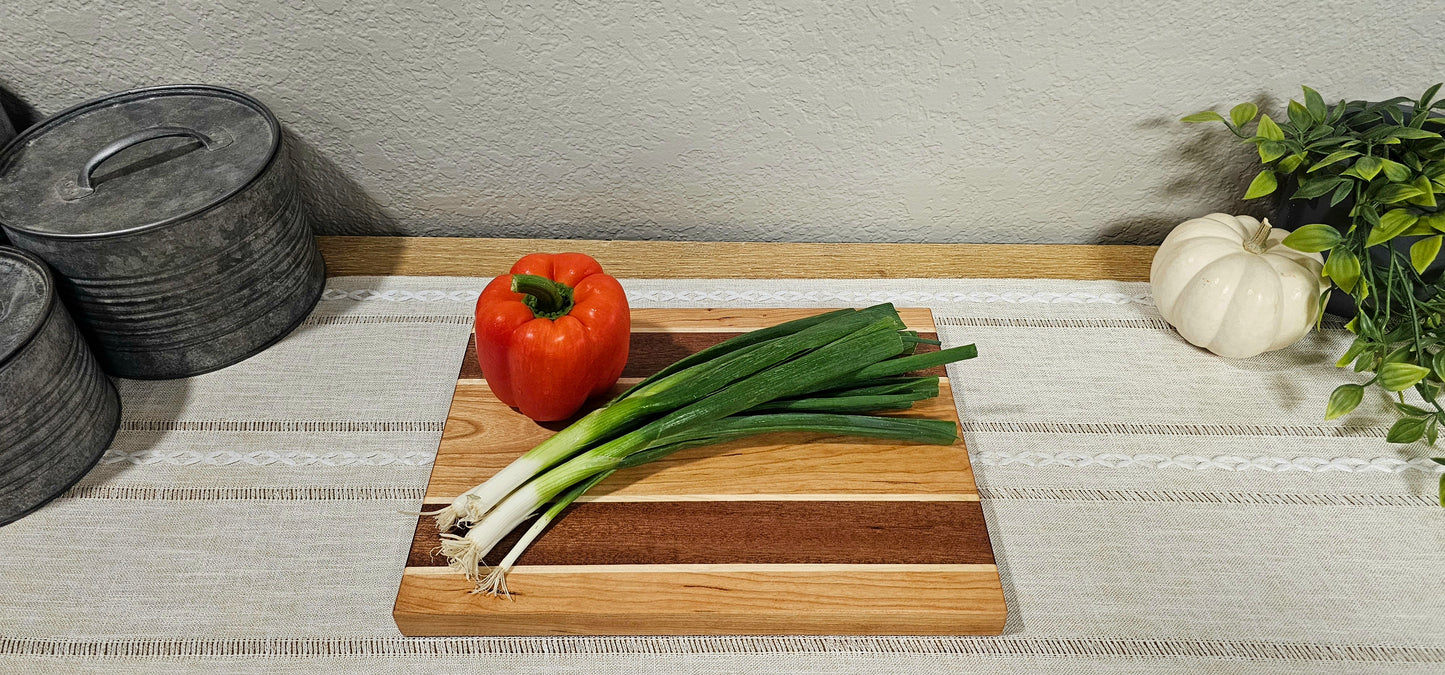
(134, 160)
(25, 299)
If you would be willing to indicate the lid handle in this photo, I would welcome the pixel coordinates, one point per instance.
(84, 184)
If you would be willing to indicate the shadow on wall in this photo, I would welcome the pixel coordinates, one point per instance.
(15, 114)
(335, 203)
(1217, 171)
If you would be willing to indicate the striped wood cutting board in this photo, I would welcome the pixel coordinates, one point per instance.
(793, 534)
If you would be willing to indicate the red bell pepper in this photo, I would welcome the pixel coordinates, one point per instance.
(552, 333)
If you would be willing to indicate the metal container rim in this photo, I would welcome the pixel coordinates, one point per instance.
(50, 301)
(64, 115)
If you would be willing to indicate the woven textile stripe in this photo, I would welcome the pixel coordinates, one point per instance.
(1199, 463)
(1005, 646)
(156, 493)
(1124, 428)
(1152, 507)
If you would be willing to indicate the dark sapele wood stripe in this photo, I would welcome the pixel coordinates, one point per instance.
(471, 368)
(789, 532)
(651, 352)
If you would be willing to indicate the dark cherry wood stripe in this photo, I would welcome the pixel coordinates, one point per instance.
(471, 369)
(788, 532)
(651, 352)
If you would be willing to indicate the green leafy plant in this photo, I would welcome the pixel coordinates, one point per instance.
(1386, 161)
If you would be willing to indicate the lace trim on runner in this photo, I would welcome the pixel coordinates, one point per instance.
(265, 458)
(208, 494)
(1201, 463)
(1168, 429)
(341, 426)
(358, 319)
(1199, 497)
(365, 493)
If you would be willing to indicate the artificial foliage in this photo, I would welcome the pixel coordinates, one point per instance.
(1385, 162)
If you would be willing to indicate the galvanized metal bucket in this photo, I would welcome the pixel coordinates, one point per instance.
(172, 217)
(60, 410)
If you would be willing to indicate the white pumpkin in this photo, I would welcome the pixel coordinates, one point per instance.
(1227, 284)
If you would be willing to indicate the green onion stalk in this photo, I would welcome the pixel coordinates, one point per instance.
(812, 375)
(684, 382)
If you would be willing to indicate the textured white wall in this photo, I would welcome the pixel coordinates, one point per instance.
(1031, 121)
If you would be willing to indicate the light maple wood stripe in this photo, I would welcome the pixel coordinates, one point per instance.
(483, 435)
(721, 568)
(780, 534)
(855, 497)
(854, 602)
(447, 256)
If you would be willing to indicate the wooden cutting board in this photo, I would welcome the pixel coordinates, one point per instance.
(779, 534)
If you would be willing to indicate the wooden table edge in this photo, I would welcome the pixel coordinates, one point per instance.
(455, 256)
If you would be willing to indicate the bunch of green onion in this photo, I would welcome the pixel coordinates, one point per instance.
(817, 374)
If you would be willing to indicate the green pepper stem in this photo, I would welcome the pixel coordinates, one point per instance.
(548, 299)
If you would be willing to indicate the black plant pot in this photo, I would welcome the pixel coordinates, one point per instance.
(1292, 214)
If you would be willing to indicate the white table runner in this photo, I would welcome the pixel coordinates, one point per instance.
(1152, 507)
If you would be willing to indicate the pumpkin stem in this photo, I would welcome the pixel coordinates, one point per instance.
(1256, 243)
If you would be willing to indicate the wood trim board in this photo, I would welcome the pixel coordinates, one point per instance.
(786, 534)
(451, 256)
